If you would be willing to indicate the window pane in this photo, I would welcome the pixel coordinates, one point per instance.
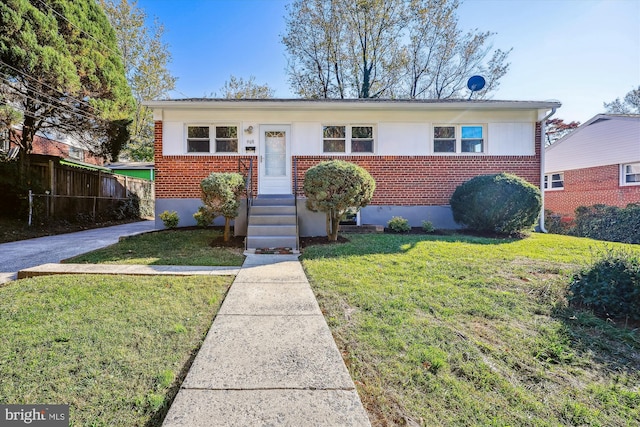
(362, 146)
(444, 146)
(226, 132)
(472, 146)
(632, 168)
(333, 132)
(198, 132)
(226, 145)
(198, 145)
(444, 132)
(557, 184)
(471, 132)
(333, 146)
(362, 132)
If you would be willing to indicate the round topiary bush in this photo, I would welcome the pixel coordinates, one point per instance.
(501, 203)
(337, 187)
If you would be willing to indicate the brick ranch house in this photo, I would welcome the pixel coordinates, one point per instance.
(598, 163)
(418, 151)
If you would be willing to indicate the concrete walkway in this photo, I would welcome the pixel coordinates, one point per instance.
(15, 256)
(269, 358)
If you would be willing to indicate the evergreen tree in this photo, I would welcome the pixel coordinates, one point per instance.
(61, 68)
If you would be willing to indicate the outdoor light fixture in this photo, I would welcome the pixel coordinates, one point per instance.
(249, 129)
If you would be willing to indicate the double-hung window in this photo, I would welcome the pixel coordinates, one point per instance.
(459, 139)
(554, 181)
(199, 139)
(630, 174)
(347, 139)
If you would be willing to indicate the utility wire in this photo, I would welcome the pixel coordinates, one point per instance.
(50, 87)
(58, 103)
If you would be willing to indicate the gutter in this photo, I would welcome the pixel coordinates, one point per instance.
(542, 153)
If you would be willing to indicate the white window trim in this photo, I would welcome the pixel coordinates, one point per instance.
(458, 148)
(547, 179)
(212, 139)
(623, 175)
(347, 139)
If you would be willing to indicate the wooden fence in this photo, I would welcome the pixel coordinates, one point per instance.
(74, 192)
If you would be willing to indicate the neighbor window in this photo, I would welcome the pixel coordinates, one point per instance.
(631, 174)
(458, 139)
(554, 181)
(76, 153)
(334, 139)
(199, 140)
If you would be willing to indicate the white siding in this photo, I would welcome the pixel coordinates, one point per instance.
(403, 139)
(515, 139)
(603, 142)
(397, 132)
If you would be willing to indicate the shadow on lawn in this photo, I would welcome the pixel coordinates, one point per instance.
(390, 243)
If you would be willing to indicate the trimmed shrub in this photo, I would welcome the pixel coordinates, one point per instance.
(427, 227)
(610, 287)
(170, 219)
(221, 196)
(203, 217)
(398, 224)
(337, 187)
(501, 203)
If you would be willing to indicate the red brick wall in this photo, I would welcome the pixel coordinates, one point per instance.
(427, 180)
(400, 180)
(51, 147)
(590, 186)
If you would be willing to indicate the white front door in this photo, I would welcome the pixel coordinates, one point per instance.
(275, 165)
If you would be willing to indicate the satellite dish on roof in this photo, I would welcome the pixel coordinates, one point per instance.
(475, 83)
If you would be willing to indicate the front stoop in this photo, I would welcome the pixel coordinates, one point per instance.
(272, 224)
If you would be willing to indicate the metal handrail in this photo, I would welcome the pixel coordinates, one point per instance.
(295, 198)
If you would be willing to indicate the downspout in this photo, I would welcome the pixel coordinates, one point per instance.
(542, 150)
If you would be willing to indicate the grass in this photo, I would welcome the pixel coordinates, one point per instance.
(457, 330)
(114, 348)
(171, 247)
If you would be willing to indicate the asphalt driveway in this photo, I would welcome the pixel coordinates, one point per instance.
(15, 256)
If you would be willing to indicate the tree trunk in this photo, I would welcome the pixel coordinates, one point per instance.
(335, 227)
(227, 229)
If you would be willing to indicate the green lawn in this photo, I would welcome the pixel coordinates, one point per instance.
(115, 348)
(171, 247)
(456, 330)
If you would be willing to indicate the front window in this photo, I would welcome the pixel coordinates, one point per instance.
(226, 139)
(631, 174)
(362, 139)
(199, 139)
(334, 139)
(554, 181)
(458, 139)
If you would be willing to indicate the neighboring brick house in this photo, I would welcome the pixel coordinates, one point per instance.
(598, 163)
(417, 151)
(51, 147)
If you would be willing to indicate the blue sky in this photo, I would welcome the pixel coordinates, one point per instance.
(580, 52)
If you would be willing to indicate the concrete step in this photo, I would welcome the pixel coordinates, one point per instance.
(272, 219)
(271, 230)
(271, 200)
(272, 210)
(255, 242)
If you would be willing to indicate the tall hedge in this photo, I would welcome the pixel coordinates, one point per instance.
(335, 187)
(500, 203)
